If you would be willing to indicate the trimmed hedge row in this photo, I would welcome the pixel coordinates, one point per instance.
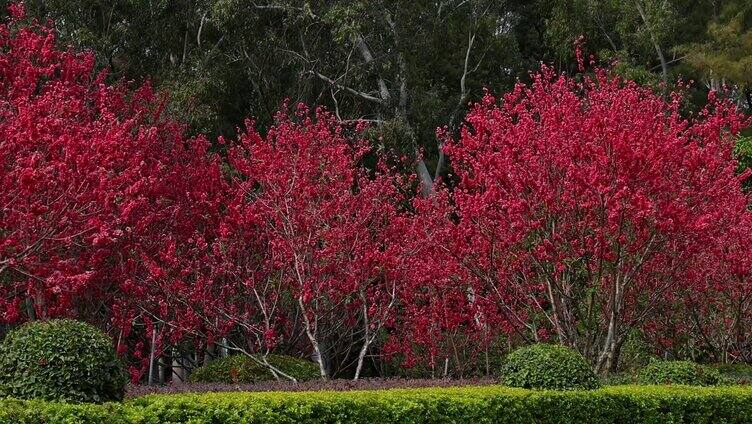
(492, 404)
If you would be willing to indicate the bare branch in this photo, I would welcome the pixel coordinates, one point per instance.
(360, 43)
(361, 94)
(658, 50)
(200, 29)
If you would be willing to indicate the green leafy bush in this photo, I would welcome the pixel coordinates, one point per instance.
(242, 369)
(60, 360)
(736, 373)
(635, 353)
(547, 366)
(489, 404)
(679, 372)
(743, 152)
(618, 379)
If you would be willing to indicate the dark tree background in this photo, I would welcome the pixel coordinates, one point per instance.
(407, 66)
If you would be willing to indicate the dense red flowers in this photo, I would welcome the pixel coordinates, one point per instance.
(99, 189)
(586, 208)
(322, 229)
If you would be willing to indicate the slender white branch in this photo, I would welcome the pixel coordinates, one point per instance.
(361, 94)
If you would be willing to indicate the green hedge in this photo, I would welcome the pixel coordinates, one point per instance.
(477, 405)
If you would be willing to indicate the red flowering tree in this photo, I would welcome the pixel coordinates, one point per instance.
(311, 238)
(100, 192)
(583, 205)
(712, 321)
(436, 312)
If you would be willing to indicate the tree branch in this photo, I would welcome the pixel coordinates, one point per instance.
(361, 94)
(360, 43)
(658, 50)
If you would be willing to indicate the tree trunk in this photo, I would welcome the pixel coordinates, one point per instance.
(310, 332)
(179, 373)
(162, 365)
(366, 335)
(361, 358)
(209, 353)
(654, 40)
(151, 356)
(30, 311)
(39, 305)
(610, 344)
(426, 181)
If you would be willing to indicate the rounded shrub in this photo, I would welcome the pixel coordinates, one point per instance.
(548, 366)
(242, 369)
(739, 373)
(63, 360)
(679, 372)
